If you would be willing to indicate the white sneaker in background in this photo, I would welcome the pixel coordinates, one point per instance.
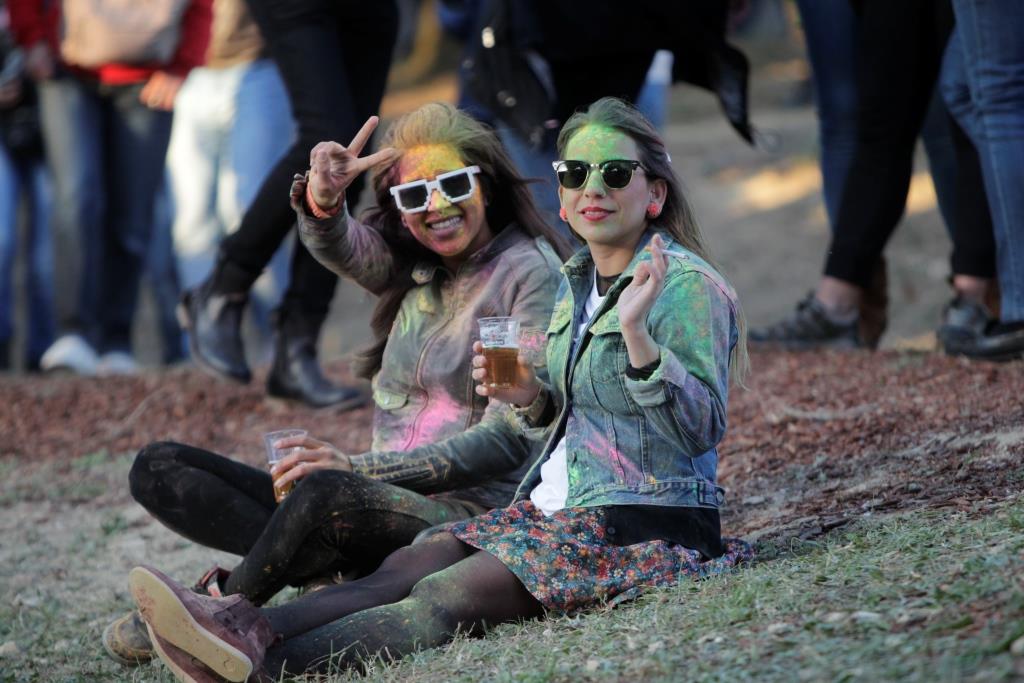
(70, 352)
(117, 363)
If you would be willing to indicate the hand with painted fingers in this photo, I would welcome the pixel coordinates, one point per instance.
(636, 301)
(522, 393)
(333, 167)
(313, 455)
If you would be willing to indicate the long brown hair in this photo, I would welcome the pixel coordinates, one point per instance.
(508, 201)
(676, 217)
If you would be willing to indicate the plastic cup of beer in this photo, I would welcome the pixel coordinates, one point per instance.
(274, 455)
(500, 339)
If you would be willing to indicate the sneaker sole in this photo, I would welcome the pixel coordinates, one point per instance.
(170, 662)
(116, 656)
(166, 615)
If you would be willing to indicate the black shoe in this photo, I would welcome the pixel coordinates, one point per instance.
(963, 322)
(808, 327)
(296, 374)
(999, 342)
(214, 323)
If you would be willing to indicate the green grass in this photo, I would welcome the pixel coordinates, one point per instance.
(926, 596)
(923, 596)
(78, 480)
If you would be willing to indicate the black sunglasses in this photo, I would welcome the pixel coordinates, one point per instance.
(615, 173)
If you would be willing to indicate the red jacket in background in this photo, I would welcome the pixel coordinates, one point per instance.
(31, 22)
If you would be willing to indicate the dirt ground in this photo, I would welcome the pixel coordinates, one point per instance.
(817, 440)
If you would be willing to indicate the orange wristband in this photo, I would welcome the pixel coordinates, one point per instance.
(318, 212)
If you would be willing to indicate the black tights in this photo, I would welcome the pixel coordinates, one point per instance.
(332, 521)
(420, 597)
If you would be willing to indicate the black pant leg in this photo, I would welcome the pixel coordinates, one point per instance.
(367, 35)
(306, 45)
(974, 242)
(336, 521)
(899, 55)
(205, 497)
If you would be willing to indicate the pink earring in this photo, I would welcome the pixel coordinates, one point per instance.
(563, 214)
(653, 210)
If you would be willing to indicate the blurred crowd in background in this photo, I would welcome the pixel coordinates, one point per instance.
(167, 160)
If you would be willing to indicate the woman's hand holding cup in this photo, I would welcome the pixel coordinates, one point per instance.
(521, 392)
(305, 456)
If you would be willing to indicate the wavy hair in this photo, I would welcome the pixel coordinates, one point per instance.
(676, 217)
(508, 201)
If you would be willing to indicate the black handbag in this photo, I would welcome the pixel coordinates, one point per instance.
(512, 81)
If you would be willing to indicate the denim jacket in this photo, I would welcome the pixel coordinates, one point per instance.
(638, 442)
(431, 431)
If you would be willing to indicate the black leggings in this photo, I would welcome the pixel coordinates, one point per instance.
(332, 521)
(333, 56)
(419, 598)
(899, 56)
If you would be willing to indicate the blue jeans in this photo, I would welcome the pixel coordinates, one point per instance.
(983, 83)
(830, 28)
(231, 126)
(26, 178)
(653, 97)
(536, 165)
(161, 273)
(106, 153)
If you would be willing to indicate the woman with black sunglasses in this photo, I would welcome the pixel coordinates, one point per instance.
(454, 237)
(624, 495)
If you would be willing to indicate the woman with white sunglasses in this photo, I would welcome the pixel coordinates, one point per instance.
(642, 341)
(454, 237)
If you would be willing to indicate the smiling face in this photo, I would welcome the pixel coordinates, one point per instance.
(452, 231)
(608, 218)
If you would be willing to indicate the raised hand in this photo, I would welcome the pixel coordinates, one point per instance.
(333, 167)
(522, 394)
(636, 302)
(314, 455)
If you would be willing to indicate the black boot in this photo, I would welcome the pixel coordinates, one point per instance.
(296, 373)
(212, 315)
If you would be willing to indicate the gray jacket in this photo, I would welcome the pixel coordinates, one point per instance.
(431, 431)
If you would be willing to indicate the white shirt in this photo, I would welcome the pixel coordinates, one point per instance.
(550, 494)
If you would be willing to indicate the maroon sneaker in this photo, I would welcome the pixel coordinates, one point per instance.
(229, 635)
(183, 665)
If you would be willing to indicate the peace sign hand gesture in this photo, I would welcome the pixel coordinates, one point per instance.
(333, 167)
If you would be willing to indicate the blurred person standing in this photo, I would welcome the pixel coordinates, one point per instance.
(983, 82)
(107, 73)
(333, 56)
(875, 74)
(515, 43)
(23, 176)
(232, 123)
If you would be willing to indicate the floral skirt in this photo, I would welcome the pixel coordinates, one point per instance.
(566, 562)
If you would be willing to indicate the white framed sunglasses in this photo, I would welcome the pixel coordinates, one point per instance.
(455, 186)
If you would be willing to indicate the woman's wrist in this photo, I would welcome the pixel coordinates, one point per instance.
(527, 403)
(640, 347)
(321, 210)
